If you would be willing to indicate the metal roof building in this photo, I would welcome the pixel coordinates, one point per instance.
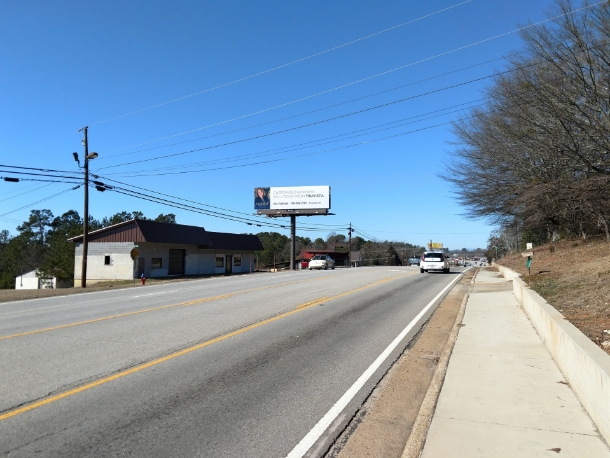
(142, 247)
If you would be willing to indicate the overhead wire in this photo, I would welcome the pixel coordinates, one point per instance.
(94, 184)
(352, 145)
(134, 174)
(283, 65)
(376, 75)
(151, 197)
(22, 193)
(13, 172)
(107, 156)
(35, 168)
(317, 142)
(333, 118)
(40, 201)
(207, 213)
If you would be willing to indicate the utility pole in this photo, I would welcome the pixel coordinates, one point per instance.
(83, 277)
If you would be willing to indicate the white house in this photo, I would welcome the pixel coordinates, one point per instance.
(127, 250)
(35, 280)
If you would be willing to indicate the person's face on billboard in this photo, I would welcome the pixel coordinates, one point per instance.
(260, 193)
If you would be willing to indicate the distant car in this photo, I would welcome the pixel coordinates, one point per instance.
(304, 264)
(414, 261)
(434, 261)
(321, 261)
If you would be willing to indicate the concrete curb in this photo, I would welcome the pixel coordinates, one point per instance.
(417, 439)
(584, 364)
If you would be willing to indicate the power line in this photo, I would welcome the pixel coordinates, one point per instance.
(35, 168)
(334, 118)
(207, 213)
(373, 76)
(302, 155)
(23, 193)
(12, 172)
(183, 206)
(134, 174)
(42, 200)
(101, 186)
(106, 156)
(317, 142)
(281, 66)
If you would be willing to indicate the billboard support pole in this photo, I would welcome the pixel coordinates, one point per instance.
(293, 241)
(349, 249)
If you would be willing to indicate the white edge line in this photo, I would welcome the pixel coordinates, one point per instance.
(314, 434)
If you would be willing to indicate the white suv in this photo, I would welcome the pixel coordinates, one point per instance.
(434, 261)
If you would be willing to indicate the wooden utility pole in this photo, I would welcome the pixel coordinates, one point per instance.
(83, 275)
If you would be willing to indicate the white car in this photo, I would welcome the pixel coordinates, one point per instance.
(321, 261)
(432, 261)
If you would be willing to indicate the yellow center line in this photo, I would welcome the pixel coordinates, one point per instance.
(185, 351)
(155, 309)
(309, 304)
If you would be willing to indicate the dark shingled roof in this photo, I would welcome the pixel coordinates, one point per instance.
(226, 241)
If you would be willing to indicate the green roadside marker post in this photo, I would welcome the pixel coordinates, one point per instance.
(529, 255)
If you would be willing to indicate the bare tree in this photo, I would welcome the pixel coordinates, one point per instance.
(539, 151)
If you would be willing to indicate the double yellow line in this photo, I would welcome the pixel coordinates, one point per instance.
(185, 351)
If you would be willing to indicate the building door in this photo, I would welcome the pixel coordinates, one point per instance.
(140, 267)
(176, 262)
(229, 264)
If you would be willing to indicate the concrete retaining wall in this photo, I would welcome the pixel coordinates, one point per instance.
(584, 364)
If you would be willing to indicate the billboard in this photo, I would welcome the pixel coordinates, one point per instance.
(342, 248)
(435, 245)
(292, 198)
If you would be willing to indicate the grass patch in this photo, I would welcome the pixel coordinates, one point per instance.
(547, 287)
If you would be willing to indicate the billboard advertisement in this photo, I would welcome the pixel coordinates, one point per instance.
(292, 198)
(435, 245)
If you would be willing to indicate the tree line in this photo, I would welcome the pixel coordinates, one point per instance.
(535, 158)
(42, 243)
(374, 253)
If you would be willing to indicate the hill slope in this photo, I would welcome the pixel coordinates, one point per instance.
(574, 277)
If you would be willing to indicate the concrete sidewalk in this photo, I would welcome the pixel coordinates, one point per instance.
(503, 396)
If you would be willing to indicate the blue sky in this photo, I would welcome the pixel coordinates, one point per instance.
(113, 65)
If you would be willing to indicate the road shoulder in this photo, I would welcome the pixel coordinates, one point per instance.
(385, 422)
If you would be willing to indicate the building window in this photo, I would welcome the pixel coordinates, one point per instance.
(237, 261)
(220, 261)
(106, 260)
(156, 263)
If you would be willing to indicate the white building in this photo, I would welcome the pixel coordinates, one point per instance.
(35, 280)
(127, 250)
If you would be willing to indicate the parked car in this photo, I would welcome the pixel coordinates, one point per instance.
(304, 264)
(321, 261)
(434, 261)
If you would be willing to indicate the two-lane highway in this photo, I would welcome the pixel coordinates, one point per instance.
(253, 365)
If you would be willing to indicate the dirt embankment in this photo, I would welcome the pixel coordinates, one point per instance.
(574, 277)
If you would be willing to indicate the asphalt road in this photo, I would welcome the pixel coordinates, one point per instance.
(242, 366)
